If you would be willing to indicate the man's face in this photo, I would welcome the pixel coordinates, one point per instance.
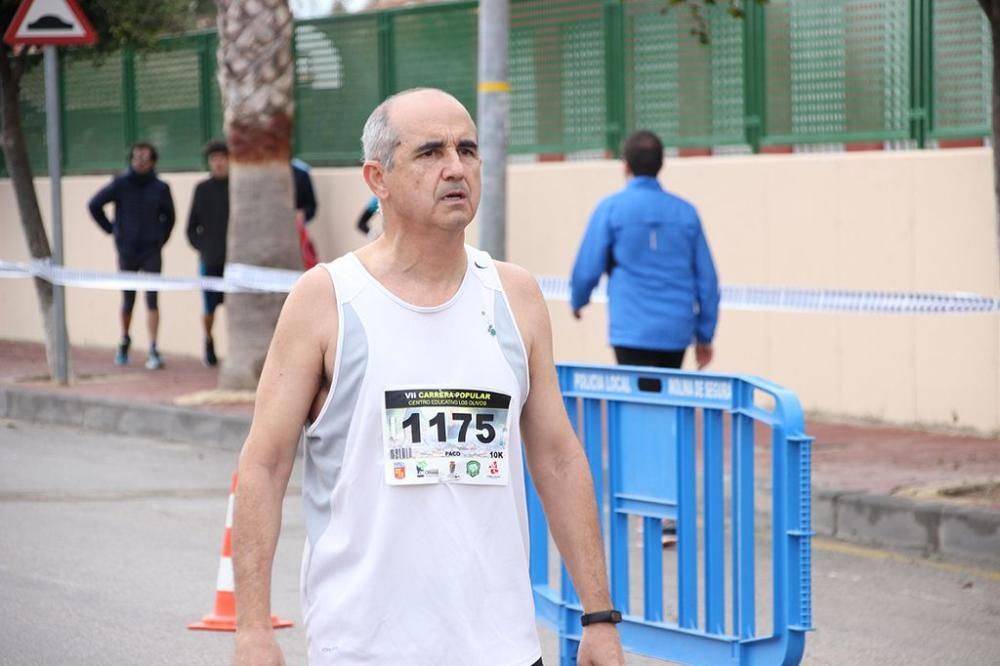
(435, 176)
(218, 165)
(142, 160)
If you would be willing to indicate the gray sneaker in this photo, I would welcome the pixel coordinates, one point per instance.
(153, 361)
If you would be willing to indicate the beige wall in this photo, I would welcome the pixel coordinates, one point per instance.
(900, 221)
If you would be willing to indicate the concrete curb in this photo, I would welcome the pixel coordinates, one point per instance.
(924, 528)
(164, 422)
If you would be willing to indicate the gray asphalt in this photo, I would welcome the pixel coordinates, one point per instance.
(109, 547)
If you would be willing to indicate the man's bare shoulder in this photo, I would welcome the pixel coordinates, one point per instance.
(526, 301)
(314, 289)
(311, 305)
(519, 284)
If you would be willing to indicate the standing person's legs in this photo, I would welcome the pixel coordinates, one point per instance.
(210, 301)
(128, 302)
(152, 317)
(656, 358)
(152, 262)
(125, 263)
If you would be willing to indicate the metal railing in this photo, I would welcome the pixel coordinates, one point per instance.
(650, 426)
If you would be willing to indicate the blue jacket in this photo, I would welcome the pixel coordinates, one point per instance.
(144, 212)
(662, 288)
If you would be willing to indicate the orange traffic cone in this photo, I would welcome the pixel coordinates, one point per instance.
(224, 616)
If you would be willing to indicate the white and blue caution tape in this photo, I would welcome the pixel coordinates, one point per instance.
(784, 299)
(833, 300)
(244, 278)
(238, 278)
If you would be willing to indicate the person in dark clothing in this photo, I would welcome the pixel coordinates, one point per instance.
(208, 223)
(305, 211)
(144, 218)
(305, 195)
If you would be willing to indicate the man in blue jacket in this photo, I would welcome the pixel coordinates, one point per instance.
(144, 218)
(663, 293)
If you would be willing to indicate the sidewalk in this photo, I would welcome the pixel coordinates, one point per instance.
(931, 493)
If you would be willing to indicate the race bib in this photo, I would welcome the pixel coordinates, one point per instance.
(435, 435)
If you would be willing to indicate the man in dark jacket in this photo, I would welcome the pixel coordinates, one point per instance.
(143, 220)
(207, 226)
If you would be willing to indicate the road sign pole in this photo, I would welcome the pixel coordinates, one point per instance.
(54, 137)
(50, 23)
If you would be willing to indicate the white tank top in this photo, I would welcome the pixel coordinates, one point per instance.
(417, 533)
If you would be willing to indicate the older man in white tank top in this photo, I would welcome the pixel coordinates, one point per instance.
(416, 363)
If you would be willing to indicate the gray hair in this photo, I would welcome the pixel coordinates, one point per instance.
(379, 138)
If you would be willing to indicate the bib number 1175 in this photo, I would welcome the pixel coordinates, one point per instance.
(485, 432)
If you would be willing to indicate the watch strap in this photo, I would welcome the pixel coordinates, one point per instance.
(613, 616)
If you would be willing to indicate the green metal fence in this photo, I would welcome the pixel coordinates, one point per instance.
(583, 74)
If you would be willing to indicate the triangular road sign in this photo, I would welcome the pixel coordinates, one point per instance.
(49, 22)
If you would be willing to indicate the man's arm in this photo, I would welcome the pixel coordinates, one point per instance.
(289, 383)
(195, 229)
(591, 259)
(560, 470)
(707, 284)
(104, 196)
(167, 215)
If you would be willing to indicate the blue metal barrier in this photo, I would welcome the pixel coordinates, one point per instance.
(652, 419)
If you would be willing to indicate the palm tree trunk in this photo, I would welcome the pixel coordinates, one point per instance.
(256, 74)
(15, 153)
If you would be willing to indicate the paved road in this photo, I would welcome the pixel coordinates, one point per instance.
(109, 548)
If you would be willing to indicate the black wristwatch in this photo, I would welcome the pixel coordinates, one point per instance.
(612, 616)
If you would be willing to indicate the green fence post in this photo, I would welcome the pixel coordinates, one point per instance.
(206, 76)
(296, 116)
(386, 55)
(62, 115)
(920, 74)
(614, 75)
(927, 70)
(754, 74)
(130, 119)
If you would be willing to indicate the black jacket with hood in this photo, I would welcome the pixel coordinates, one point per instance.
(144, 212)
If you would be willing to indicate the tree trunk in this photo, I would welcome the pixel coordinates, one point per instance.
(256, 74)
(15, 153)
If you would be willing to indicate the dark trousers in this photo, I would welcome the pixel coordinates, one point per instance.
(650, 357)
